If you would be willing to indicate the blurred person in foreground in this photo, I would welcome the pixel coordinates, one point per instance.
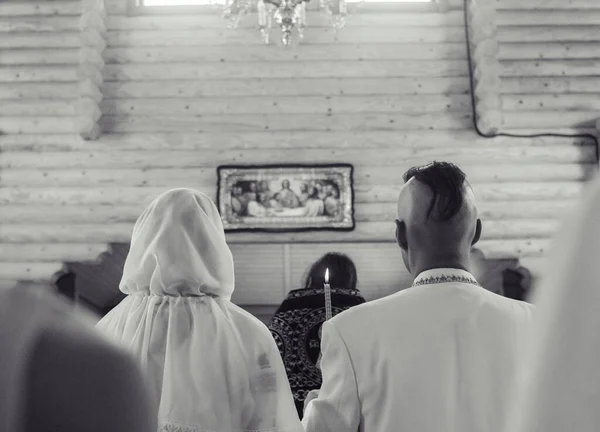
(438, 356)
(560, 387)
(212, 365)
(296, 325)
(58, 374)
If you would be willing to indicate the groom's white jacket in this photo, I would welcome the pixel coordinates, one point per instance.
(437, 357)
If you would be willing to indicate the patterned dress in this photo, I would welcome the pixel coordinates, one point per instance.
(296, 328)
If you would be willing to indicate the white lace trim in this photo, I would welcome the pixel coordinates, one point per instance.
(170, 426)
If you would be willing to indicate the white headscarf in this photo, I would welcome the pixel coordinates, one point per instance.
(561, 389)
(178, 248)
(212, 366)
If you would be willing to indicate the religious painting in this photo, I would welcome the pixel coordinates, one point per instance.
(286, 197)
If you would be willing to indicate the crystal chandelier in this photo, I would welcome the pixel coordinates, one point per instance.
(290, 16)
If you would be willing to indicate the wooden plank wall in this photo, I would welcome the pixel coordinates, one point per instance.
(553, 50)
(183, 95)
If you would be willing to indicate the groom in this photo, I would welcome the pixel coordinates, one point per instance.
(439, 356)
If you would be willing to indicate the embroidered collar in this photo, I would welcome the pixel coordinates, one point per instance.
(444, 275)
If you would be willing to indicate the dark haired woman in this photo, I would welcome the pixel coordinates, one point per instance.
(296, 324)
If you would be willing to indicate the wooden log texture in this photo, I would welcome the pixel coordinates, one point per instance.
(44, 73)
(364, 232)
(548, 50)
(38, 90)
(390, 157)
(325, 69)
(39, 125)
(551, 85)
(100, 214)
(287, 105)
(28, 270)
(282, 122)
(324, 52)
(245, 37)
(39, 8)
(285, 87)
(534, 5)
(546, 17)
(492, 192)
(316, 19)
(551, 102)
(550, 68)
(204, 178)
(93, 253)
(260, 141)
(79, 252)
(63, 56)
(118, 7)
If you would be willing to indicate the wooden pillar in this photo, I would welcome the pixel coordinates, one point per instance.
(483, 31)
(93, 42)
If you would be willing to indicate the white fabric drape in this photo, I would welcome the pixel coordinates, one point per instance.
(212, 366)
(561, 389)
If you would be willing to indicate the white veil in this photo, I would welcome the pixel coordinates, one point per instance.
(212, 366)
(561, 389)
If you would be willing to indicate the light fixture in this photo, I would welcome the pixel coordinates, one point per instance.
(290, 16)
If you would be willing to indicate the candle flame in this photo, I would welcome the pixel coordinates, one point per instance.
(327, 276)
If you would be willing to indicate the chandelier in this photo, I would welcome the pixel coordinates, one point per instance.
(290, 16)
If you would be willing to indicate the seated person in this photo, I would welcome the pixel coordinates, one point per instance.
(297, 323)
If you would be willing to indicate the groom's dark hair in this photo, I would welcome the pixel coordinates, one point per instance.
(447, 182)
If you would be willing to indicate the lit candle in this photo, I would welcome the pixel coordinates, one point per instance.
(327, 289)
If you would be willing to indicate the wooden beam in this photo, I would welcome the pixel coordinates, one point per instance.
(546, 17)
(548, 68)
(205, 178)
(38, 8)
(282, 122)
(324, 52)
(550, 119)
(33, 107)
(40, 24)
(545, 102)
(551, 85)
(516, 191)
(120, 212)
(315, 19)
(66, 39)
(288, 105)
(268, 140)
(319, 35)
(36, 125)
(326, 69)
(17, 74)
(365, 231)
(211, 159)
(518, 5)
(540, 33)
(196, 88)
(10, 253)
(39, 56)
(548, 50)
(38, 90)
(34, 271)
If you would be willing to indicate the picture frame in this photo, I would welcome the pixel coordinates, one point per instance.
(286, 198)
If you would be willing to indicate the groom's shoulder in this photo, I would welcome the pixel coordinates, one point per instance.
(358, 315)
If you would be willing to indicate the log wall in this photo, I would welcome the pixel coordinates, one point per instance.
(182, 95)
(549, 64)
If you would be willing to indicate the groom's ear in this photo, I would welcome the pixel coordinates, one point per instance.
(401, 235)
(477, 236)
